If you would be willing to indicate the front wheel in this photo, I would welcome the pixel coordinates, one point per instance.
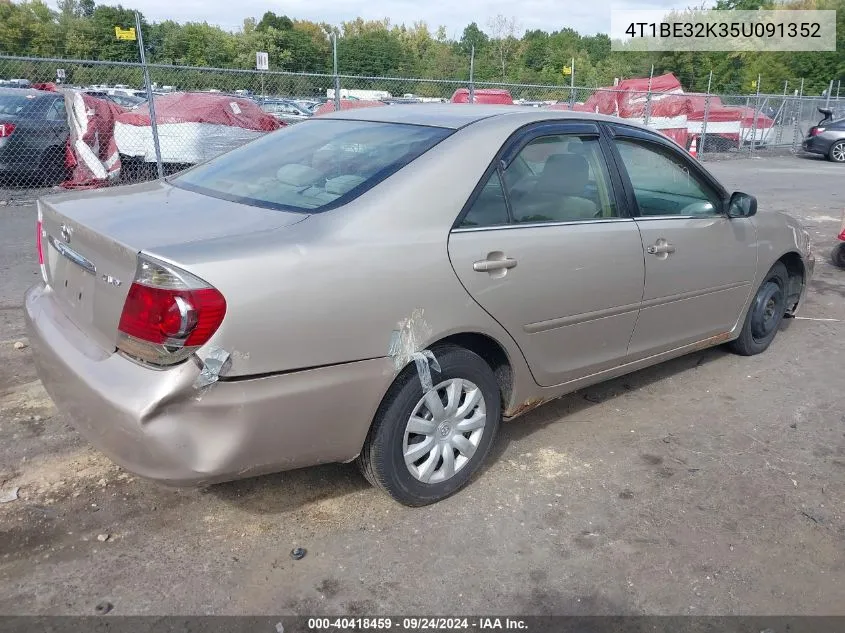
(426, 445)
(837, 152)
(764, 314)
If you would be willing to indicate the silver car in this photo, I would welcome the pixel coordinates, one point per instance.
(387, 285)
(285, 110)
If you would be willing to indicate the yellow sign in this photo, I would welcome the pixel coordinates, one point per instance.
(567, 70)
(124, 34)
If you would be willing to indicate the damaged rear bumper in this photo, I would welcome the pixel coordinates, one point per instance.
(157, 424)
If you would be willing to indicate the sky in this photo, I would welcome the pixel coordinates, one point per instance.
(586, 16)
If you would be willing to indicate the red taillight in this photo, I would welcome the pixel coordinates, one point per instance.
(6, 129)
(38, 243)
(168, 313)
(815, 131)
(164, 316)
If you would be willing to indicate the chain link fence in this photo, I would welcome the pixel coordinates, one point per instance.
(78, 124)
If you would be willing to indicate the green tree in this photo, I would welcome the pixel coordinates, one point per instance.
(473, 37)
(109, 48)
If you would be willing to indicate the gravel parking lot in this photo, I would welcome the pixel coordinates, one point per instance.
(712, 484)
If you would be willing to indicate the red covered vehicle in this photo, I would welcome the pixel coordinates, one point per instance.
(192, 127)
(678, 114)
(347, 104)
(493, 96)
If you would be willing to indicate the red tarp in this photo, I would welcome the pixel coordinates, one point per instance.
(200, 107)
(627, 100)
(483, 95)
(47, 87)
(347, 104)
(678, 134)
(91, 151)
(578, 107)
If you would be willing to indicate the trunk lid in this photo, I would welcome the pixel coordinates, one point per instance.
(91, 242)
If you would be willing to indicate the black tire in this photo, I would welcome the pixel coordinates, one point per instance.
(52, 167)
(837, 255)
(381, 460)
(764, 314)
(837, 152)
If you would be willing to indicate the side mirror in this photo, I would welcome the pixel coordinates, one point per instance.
(742, 205)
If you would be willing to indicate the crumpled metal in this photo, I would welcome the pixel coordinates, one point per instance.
(213, 365)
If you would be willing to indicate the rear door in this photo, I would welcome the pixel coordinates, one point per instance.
(544, 247)
(699, 264)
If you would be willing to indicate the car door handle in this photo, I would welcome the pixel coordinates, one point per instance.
(661, 247)
(491, 265)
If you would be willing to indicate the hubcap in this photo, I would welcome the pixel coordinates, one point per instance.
(767, 310)
(444, 430)
(838, 152)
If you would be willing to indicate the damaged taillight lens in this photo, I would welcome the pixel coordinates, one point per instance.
(168, 314)
(39, 244)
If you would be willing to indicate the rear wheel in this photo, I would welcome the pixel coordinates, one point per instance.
(837, 152)
(52, 168)
(426, 445)
(837, 255)
(764, 314)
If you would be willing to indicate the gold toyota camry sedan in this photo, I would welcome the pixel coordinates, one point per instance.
(387, 285)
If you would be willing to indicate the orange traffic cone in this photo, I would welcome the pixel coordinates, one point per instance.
(693, 148)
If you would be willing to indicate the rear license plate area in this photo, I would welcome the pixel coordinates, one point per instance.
(74, 286)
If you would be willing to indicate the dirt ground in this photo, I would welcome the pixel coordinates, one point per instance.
(712, 484)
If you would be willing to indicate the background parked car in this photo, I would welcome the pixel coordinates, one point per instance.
(124, 100)
(827, 138)
(33, 135)
(308, 104)
(285, 110)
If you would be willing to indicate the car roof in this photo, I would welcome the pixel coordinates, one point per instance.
(26, 92)
(458, 115)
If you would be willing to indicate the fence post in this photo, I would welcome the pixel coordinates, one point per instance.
(754, 120)
(150, 99)
(797, 116)
(572, 85)
(782, 112)
(838, 83)
(336, 75)
(829, 90)
(701, 145)
(647, 113)
(472, 74)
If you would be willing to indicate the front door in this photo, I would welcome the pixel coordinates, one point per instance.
(699, 263)
(543, 247)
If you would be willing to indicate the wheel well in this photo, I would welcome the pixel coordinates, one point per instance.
(795, 268)
(493, 354)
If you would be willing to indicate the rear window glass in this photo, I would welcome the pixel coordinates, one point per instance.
(312, 166)
(14, 104)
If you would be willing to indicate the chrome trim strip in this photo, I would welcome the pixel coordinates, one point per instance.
(650, 303)
(532, 225)
(72, 255)
(551, 324)
(575, 319)
(646, 218)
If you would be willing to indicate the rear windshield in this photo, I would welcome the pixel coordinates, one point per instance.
(14, 104)
(312, 166)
